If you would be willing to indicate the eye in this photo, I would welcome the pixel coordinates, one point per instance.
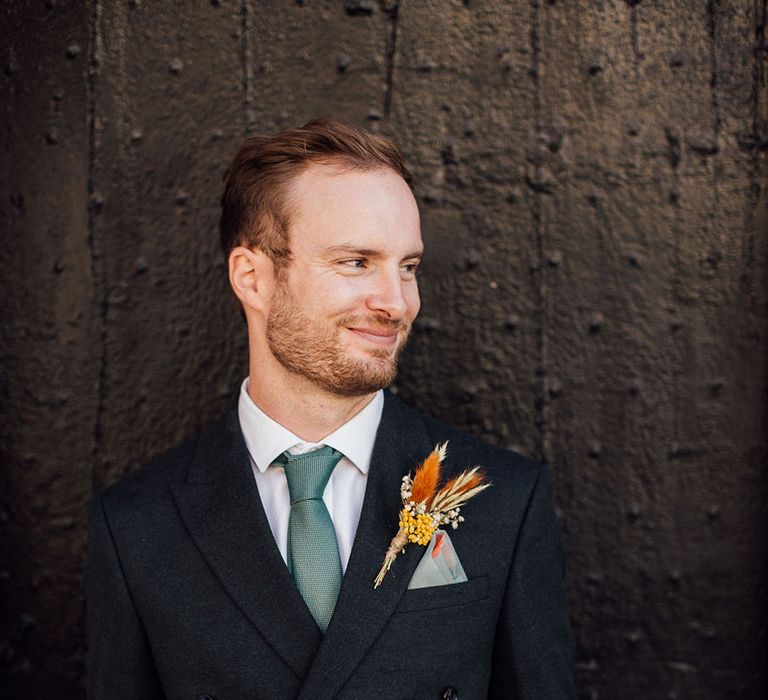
(408, 270)
(354, 263)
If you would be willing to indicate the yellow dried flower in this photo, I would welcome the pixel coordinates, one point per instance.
(418, 528)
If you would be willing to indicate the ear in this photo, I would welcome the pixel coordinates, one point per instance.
(252, 276)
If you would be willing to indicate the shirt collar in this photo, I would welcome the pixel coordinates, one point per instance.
(266, 438)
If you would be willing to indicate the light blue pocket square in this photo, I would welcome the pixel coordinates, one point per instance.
(440, 564)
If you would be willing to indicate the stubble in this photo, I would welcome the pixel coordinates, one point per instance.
(312, 348)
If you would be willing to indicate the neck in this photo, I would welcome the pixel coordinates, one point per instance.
(299, 405)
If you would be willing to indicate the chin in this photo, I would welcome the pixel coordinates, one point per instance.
(363, 376)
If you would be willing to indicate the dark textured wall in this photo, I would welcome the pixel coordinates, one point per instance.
(591, 175)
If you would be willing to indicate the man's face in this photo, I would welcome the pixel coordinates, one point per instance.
(345, 303)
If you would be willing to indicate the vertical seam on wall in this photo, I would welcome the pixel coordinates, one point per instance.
(712, 30)
(758, 73)
(541, 443)
(757, 141)
(247, 72)
(97, 272)
(673, 323)
(713, 234)
(677, 361)
(715, 102)
(634, 38)
(392, 17)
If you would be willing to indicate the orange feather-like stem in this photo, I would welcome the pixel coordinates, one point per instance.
(426, 478)
(475, 480)
(459, 490)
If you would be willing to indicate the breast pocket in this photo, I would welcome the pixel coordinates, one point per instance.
(449, 596)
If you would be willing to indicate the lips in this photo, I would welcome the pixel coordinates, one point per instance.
(378, 336)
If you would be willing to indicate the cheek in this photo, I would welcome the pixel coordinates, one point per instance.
(337, 297)
(413, 301)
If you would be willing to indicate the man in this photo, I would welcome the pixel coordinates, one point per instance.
(241, 564)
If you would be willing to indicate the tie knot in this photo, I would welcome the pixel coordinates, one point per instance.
(308, 473)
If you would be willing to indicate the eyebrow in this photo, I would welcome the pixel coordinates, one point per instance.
(367, 252)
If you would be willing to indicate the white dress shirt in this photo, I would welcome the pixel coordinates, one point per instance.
(266, 439)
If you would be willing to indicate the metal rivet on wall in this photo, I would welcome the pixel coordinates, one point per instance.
(427, 323)
(342, 62)
(703, 145)
(359, 8)
(596, 63)
(17, 202)
(555, 258)
(554, 387)
(96, 202)
(676, 60)
(472, 258)
(595, 578)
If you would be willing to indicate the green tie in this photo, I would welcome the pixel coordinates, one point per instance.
(313, 552)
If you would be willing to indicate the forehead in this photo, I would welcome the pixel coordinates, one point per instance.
(331, 202)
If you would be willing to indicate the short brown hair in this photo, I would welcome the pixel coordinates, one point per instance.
(254, 210)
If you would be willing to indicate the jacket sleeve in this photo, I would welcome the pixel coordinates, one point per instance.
(120, 664)
(533, 646)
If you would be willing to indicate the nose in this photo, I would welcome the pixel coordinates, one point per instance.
(389, 295)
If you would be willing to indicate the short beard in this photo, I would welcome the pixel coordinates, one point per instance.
(316, 354)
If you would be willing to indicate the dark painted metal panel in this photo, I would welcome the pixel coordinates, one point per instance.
(47, 331)
(643, 356)
(314, 59)
(169, 111)
(461, 103)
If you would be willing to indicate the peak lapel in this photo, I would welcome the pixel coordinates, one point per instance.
(220, 505)
(361, 612)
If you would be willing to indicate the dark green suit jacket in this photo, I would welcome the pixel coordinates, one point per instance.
(188, 596)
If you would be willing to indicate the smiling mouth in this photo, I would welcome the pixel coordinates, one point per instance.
(377, 336)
